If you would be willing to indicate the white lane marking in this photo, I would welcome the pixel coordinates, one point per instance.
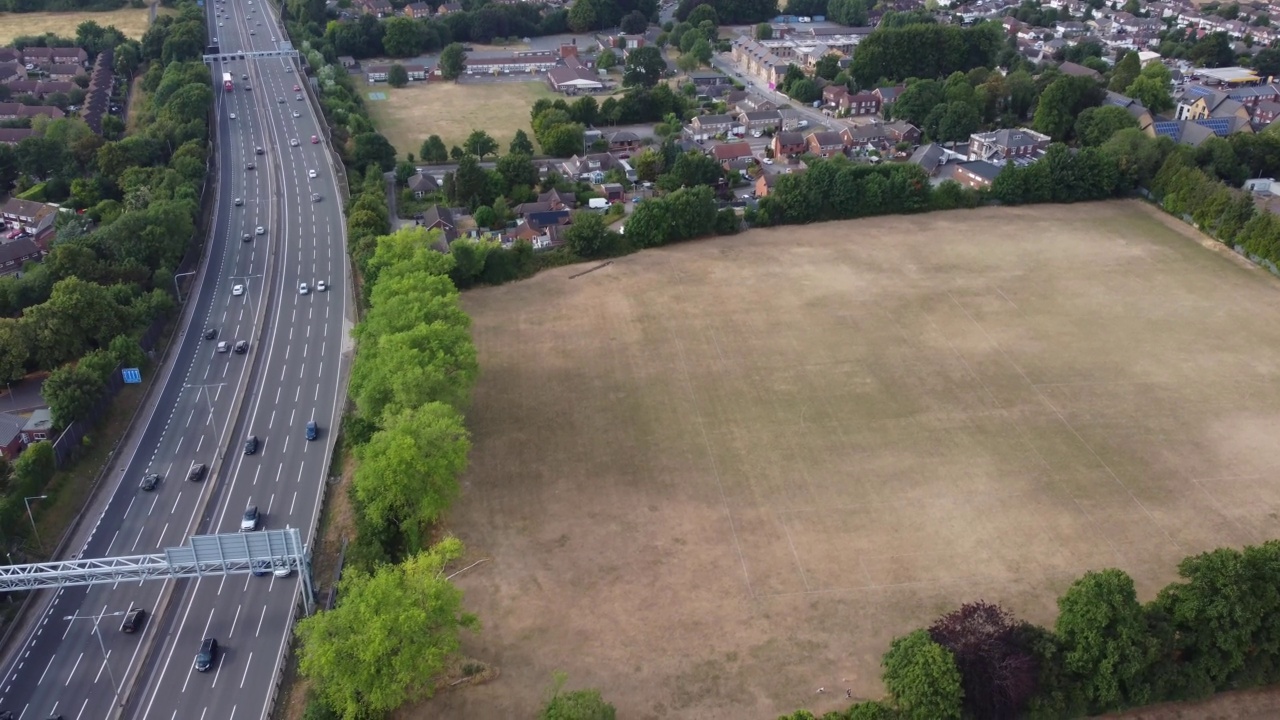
(234, 620)
(73, 669)
(260, 619)
(245, 675)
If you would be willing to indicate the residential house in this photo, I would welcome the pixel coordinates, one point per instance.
(12, 72)
(887, 95)
(377, 8)
(520, 62)
(14, 111)
(712, 124)
(836, 96)
(40, 88)
(825, 143)
(789, 144)
(550, 201)
(69, 55)
(572, 79)
(15, 253)
(39, 427)
(764, 184)
(64, 72)
(44, 57)
(1070, 68)
(1265, 113)
(13, 136)
(417, 10)
(447, 8)
(10, 55)
(586, 167)
(868, 136)
(421, 184)
(975, 174)
(438, 217)
(763, 121)
(931, 158)
(97, 98)
(1194, 133)
(901, 131)
(625, 43)
(623, 141)
(726, 153)
(1133, 107)
(863, 103)
(753, 104)
(541, 236)
(1007, 144)
(1200, 103)
(27, 214)
(613, 192)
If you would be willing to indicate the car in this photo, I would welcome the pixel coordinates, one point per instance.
(260, 567)
(311, 173)
(149, 482)
(280, 99)
(246, 237)
(273, 37)
(237, 290)
(196, 472)
(312, 430)
(297, 114)
(231, 115)
(247, 88)
(315, 197)
(293, 142)
(297, 97)
(207, 656)
(251, 445)
(244, 77)
(259, 151)
(210, 333)
(768, 161)
(249, 522)
(219, 24)
(133, 620)
(249, 166)
(215, 40)
(302, 289)
(259, 230)
(223, 346)
(321, 286)
(757, 133)
(252, 32)
(296, 88)
(288, 68)
(282, 569)
(242, 347)
(239, 202)
(314, 140)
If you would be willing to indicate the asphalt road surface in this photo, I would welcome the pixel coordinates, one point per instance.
(206, 405)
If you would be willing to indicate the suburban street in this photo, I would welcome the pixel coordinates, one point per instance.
(204, 406)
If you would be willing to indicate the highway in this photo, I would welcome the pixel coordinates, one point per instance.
(207, 403)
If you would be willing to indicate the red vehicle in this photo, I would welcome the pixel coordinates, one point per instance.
(314, 140)
(226, 82)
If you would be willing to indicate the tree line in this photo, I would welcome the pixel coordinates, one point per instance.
(1211, 631)
(924, 51)
(403, 37)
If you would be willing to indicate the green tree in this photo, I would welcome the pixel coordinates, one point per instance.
(397, 76)
(563, 140)
(648, 164)
(828, 66)
(453, 61)
(764, 31)
(582, 16)
(1151, 88)
(923, 678)
(479, 143)
(587, 235)
(1126, 72)
(607, 59)
(408, 472)
(516, 169)
(848, 12)
(1095, 126)
(371, 148)
(13, 350)
(644, 67)
(390, 637)
(634, 23)
(404, 171)
(520, 144)
(433, 150)
(1104, 635)
(1062, 101)
(402, 37)
(919, 99)
(70, 392)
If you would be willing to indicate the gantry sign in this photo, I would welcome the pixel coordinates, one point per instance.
(206, 555)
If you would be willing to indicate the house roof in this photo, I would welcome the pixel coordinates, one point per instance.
(555, 196)
(1012, 137)
(16, 249)
(25, 208)
(1070, 68)
(981, 168)
(790, 138)
(928, 157)
(13, 136)
(826, 139)
(40, 419)
(422, 182)
(713, 120)
(730, 151)
(10, 427)
(760, 115)
(623, 136)
(439, 215)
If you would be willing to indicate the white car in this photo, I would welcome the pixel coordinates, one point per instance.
(302, 289)
(293, 142)
(768, 161)
(321, 286)
(297, 114)
(311, 173)
(260, 230)
(237, 290)
(219, 24)
(232, 116)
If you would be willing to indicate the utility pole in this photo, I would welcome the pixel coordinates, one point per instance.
(27, 502)
(97, 630)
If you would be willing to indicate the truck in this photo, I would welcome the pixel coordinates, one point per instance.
(597, 203)
(226, 82)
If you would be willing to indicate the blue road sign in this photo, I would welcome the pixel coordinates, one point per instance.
(132, 376)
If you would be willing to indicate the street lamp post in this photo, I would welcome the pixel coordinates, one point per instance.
(27, 502)
(115, 688)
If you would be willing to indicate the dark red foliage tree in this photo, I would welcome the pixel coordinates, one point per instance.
(998, 674)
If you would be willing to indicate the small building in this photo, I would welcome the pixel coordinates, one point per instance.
(438, 217)
(417, 10)
(61, 71)
(1007, 144)
(571, 79)
(421, 185)
(39, 427)
(519, 62)
(789, 144)
(974, 174)
(613, 192)
(10, 436)
(15, 111)
(1076, 70)
(450, 7)
(623, 141)
(762, 120)
(724, 153)
(825, 143)
(712, 124)
(347, 61)
(29, 215)
(705, 79)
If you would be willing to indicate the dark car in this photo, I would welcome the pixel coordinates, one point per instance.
(312, 430)
(249, 166)
(251, 445)
(149, 482)
(261, 567)
(207, 656)
(259, 151)
(196, 472)
(246, 238)
(210, 334)
(133, 620)
(242, 347)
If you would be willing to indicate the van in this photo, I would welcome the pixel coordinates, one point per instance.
(598, 203)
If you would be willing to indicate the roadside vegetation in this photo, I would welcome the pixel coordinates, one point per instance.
(130, 208)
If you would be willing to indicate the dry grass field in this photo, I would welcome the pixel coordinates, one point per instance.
(130, 21)
(411, 114)
(714, 477)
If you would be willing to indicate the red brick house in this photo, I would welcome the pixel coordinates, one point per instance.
(788, 144)
(10, 436)
(825, 144)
